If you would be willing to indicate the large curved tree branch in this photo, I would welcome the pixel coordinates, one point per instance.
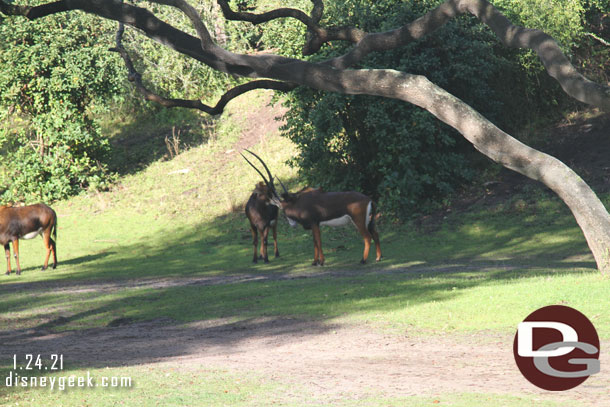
(136, 78)
(547, 49)
(558, 66)
(588, 210)
(317, 35)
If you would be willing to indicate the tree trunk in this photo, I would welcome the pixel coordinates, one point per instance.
(589, 211)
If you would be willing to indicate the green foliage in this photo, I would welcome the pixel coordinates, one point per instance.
(397, 153)
(561, 19)
(55, 71)
(178, 76)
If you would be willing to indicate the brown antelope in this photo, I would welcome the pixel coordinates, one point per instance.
(313, 208)
(27, 222)
(262, 215)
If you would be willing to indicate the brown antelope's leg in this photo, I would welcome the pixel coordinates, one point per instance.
(264, 245)
(54, 249)
(7, 251)
(317, 242)
(367, 240)
(377, 244)
(315, 248)
(260, 250)
(46, 239)
(367, 247)
(16, 251)
(275, 249)
(254, 243)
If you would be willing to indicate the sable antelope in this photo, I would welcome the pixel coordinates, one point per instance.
(262, 216)
(313, 207)
(27, 222)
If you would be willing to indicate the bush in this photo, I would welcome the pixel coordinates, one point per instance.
(398, 153)
(55, 71)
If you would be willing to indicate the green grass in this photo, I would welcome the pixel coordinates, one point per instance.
(430, 302)
(483, 270)
(163, 385)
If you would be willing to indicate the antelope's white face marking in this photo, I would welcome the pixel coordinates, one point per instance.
(31, 235)
(342, 221)
(291, 222)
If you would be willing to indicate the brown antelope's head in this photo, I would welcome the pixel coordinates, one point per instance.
(289, 198)
(274, 197)
(263, 192)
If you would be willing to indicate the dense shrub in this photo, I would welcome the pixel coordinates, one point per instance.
(398, 153)
(55, 72)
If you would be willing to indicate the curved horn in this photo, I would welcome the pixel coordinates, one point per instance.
(282, 184)
(257, 170)
(264, 165)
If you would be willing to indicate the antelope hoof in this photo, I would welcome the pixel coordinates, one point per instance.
(255, 260)
(43, 268)
(18, 272)
(362, 261)
(54, 266)
(378, 259)
(8, 273)
(266, 261)
(277, 254)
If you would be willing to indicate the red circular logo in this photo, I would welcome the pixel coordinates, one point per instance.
(556, 348)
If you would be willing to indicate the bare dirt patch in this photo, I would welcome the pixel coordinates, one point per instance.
(332, 360)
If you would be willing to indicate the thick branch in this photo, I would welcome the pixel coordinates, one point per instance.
(553, 59)
(193, 15)
(32, 13)
(550, 54)
(268, 16)
(135, 77)
(317, 37)
(267, 66)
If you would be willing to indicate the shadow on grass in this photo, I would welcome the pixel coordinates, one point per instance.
(143, 326)
(154, 135)
(135, 326)
(86, 259)
(132, 301)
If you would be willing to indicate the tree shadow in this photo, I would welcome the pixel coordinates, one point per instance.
(150, 300)
(156, 134)
(141, 325)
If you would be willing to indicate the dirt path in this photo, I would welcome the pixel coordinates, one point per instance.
(333, 360)
(340, 361)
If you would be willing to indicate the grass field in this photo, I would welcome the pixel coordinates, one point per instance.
(181, 221)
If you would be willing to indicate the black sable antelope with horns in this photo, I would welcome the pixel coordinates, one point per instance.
(262, 215)
(27, 222)
(313, 207)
